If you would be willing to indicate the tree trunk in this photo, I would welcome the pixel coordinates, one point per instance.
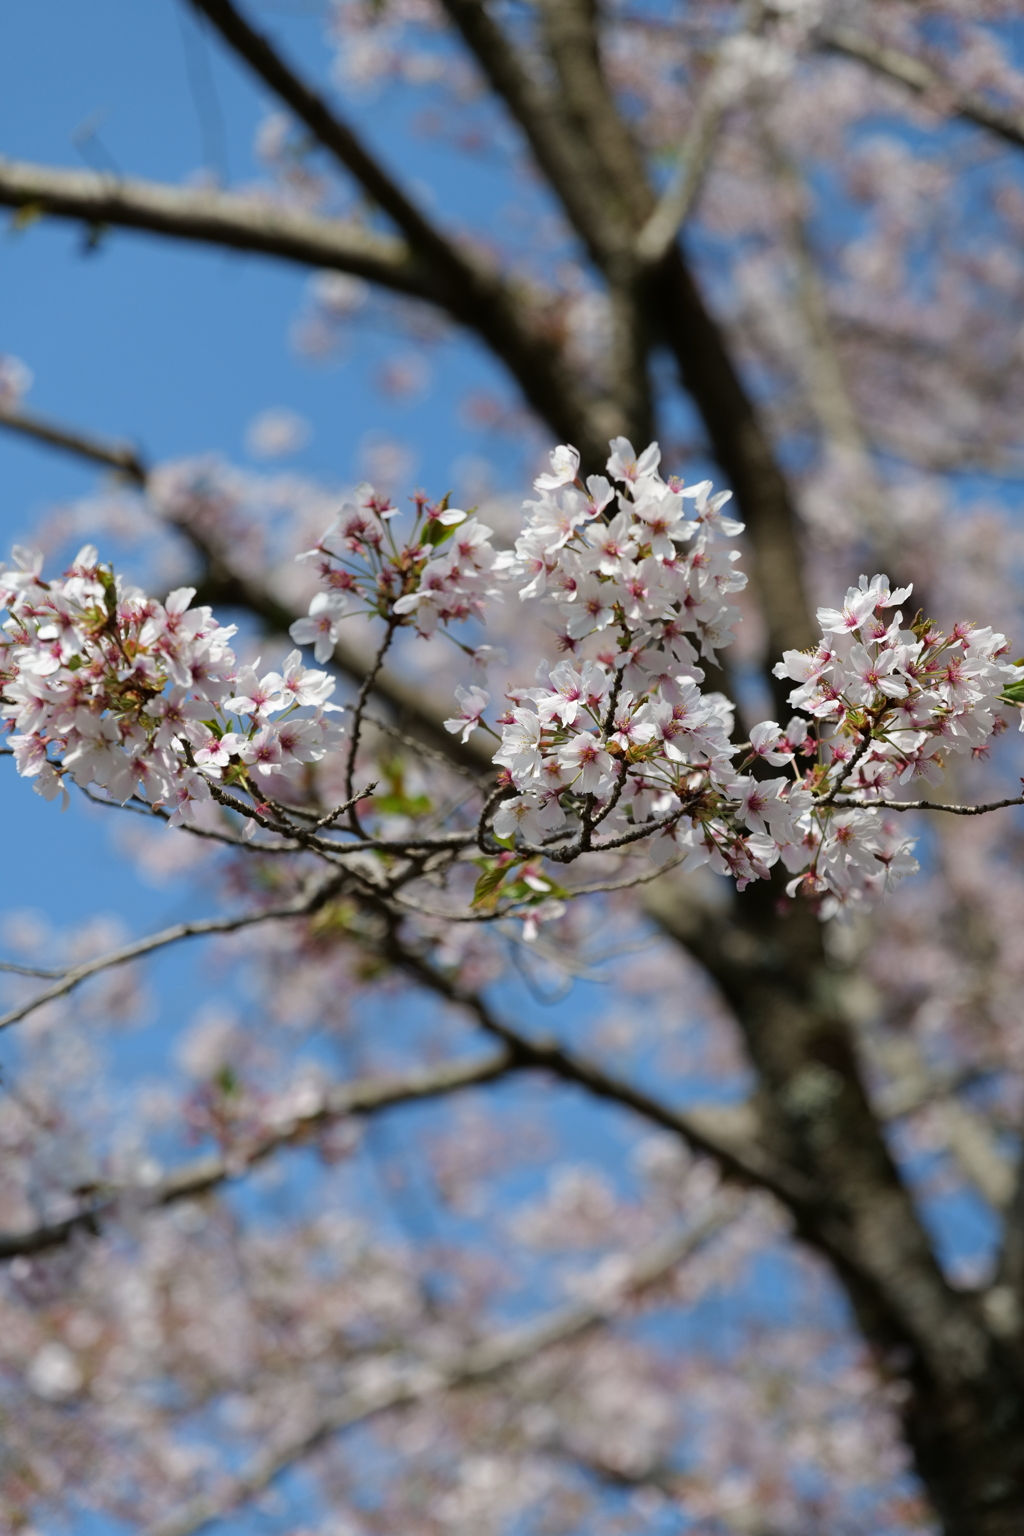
(963, 1408)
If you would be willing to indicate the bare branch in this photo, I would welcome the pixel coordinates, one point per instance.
(1005, 1302)
(931, 805)
(608, 158)
(472, 292)
(213, 218)
(355, 730)
(330, 130)
(475, 776)
(540, 115)
(411, 1382)
(203, 1174)
(137, 806)
(921, 78)
(828, 397)
(114, 455)
(303, 906)
(604, 143)
(720, 1136)
(720, 92)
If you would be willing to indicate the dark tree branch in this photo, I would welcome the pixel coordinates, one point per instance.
(334, 134)
(919, 77)
(118, 456)
(223, 219)
(722, 1135)
(471, 292)
(571, 37)
(199, 1177)
(564, 160)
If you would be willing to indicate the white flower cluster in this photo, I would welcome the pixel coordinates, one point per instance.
(111, 687)
(627, 726)
(920, 691)
(624, 739)
(615, 745)
(363, 569)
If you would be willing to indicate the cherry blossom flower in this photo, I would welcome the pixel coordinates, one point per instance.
(565, 464)
(322, 627)
(624, 463)
(585, 763)
(472, 703)
(255, 696)
(532, 817)
(300, 685)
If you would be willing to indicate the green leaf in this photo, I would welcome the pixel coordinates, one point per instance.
(485, 893)
(1013, 693)
(226, 1080)
(109, 585)
(402, 805)
(435, 533)
(25, 216)
(519, 891)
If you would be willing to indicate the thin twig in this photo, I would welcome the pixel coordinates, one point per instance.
(919, 77)
(203, 1174)
(721, 92)
(357, 723)
(490, 804)
(513, 908)
(347, 805)
(412, 1382)
(861, 749)
(422, 748)
(932, 805)
(30, 970)
(572, 851)
(136, 806)
(612, 801)
(75, 975)
(631, 881)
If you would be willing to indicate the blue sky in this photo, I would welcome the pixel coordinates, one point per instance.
(173, 348)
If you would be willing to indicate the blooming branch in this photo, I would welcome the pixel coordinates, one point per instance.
(146, 700)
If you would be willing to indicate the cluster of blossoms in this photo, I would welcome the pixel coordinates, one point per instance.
(363, 569)
(614, 745)
(907, 695)
(617, 743)
(102, 683)
(624, 739)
